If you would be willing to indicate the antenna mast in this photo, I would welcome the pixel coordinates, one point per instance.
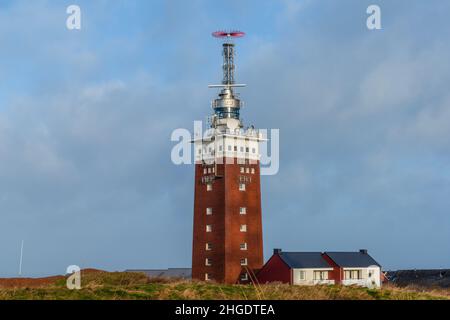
(21, 259)
(227, 105)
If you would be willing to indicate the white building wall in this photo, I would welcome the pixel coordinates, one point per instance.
(370, 277)
(309, 277)
(208, 148)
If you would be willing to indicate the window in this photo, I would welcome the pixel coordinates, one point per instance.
(242, 210)
(302, 275)
(220, 148)
(253, 170)
(242, 149)
(235, 148)
(208, 211)
(208, 262)
(244, 246)
(208, 247)
(199, 151)
(247, 150)
(241, 186)
(207, 277)
(229, 148)
(352, 274)
(209, 170)
(209, 187)
(244, 277)
(242, 169)
(247, 170)
(213, 169)
(244, 262)
(320, 275)
(205, 171)
(253, 150)
(243, 228)
(208, 228)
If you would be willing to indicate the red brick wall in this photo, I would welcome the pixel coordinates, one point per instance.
(275, 270)
(226, 200)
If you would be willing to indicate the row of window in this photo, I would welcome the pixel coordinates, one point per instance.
(318, 275)
(209, 187)
(242, 170)
(208, 262)
(243, 228)
(323, 275)
(352, 274)
(248, 170)
(242, 211)
(244, 277)
(229, 148)
(243, 246)
(208, 170)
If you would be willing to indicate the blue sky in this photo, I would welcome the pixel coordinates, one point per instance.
(86, 118)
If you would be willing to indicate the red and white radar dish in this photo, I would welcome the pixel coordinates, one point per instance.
(228, 34)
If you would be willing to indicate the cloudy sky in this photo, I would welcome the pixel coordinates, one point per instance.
(86, 118)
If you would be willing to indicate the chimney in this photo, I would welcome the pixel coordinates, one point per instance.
(363, 251)
(276, 251)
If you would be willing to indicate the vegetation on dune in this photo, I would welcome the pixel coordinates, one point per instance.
(136, 286)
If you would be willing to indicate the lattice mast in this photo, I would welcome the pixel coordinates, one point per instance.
(227, 106)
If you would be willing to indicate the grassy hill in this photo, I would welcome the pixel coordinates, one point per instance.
(120, 285)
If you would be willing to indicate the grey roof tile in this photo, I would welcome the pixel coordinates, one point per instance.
(300, 260)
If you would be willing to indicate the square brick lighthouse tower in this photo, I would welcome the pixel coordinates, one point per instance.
(227, 241)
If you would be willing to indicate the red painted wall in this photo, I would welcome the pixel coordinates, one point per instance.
(275, 270)
(337, 274)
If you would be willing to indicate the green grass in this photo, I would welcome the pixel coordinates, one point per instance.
(135, 286)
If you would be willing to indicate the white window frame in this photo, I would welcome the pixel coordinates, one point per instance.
(350, 274)
(244, 262)
(242, 187)
(253, 170)
(207, 278)
(209, 187)
(243, 228)
(244, 276)
(209, 228)
(321, 275)
(302, 275)
(209, 211)
(208, 262)
(244, 246)
(243, 211)
(208, 246)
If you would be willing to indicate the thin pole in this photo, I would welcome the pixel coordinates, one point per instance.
(21, 259)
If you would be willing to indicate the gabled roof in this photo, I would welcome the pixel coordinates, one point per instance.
(184, 273)
(352, 259)
(300, 260)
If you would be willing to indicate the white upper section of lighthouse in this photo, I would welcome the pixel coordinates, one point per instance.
(227, 136)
